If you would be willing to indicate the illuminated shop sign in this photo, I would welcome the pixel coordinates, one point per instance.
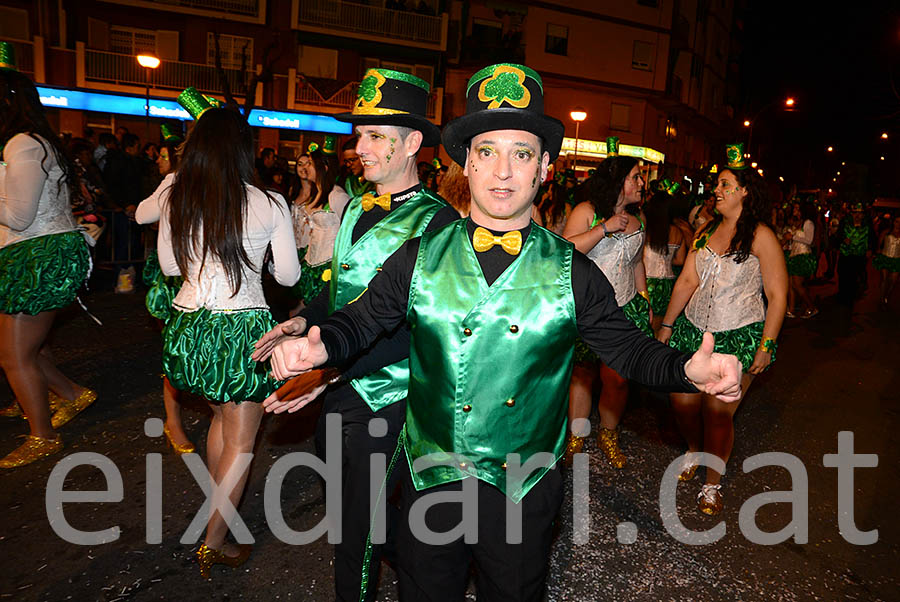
(596, 148)
(121, 104)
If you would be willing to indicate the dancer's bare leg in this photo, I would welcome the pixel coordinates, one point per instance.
(21, 339)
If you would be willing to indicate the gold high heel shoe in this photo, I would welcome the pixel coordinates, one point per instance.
(14, 410)
(69, 409)
(179, 449)
(608, 441)
(709, 500)
(688, 467)
(574, 445)
(206, 557)
(33, 449)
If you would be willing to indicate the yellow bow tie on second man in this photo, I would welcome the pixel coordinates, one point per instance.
(369, 200)
(483, 240)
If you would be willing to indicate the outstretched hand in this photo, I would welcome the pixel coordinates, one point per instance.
(715, 373)
(296, 355)
(267, 343)
(287, 399)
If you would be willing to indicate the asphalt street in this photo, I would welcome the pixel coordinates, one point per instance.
(836, 372)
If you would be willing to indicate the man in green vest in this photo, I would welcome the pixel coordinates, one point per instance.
(390, 124)
(494, 303)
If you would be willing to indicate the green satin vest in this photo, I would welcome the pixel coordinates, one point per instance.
(354, 265)
(490, 366)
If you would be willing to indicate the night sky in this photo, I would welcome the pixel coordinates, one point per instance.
(838, 62)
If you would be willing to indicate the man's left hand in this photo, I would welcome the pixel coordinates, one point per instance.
(715, 373)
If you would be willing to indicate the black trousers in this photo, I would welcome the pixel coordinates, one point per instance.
(357, 445)
(505, 572)
(851, 269)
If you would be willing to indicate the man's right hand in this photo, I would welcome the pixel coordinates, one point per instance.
(294, 327)
(293, 356)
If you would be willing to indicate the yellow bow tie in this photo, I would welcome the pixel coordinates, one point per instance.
(483, 240)
(369, 200)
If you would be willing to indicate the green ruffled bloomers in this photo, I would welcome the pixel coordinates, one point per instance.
(802, 265)
(883, 262)
(660, 291)
(742, 342)
(310, 284)
(209, 353)
(43, 273)
(163, 289)
(637, 311)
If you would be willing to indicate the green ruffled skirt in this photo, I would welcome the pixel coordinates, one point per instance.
(883, 262)
(637, 311)
(742, 342)
(310, 283)
(802, 265)
(660, 291)
(162, 288)
(209, 353)
(42, 274)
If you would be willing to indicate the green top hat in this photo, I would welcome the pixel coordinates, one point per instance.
(735, 154)
(437, 163)
(503, 97)
(168, 134)
(313, 147)
(329, 146)
(193, 102)
(388, 97)
(8, 56)
(612, 146)
(670, 187)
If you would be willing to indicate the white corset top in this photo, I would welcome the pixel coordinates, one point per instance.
(616, 257)
(730, 294)
(891, 246)
(658, 265)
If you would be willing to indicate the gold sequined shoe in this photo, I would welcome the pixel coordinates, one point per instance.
(574, 445)
(14, 410)
(33, 449)
(179, 449)
(709, 500)
(608, 441)
(688, 467)
(207, 557)
(69, 409)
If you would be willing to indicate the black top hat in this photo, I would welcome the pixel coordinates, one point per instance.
(388, 97)
(503, 97)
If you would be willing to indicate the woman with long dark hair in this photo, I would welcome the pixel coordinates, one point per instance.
(735, 259)
(553, 209)
(44, 260)
(801, 260)
(602, 228)
(664, 248)
(163, 290)
(316, 212)
(215, 225)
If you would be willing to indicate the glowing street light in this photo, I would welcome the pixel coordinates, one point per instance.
(882, 158)
(843, 163)
(884, 136)
(753, 165)
(148, 60)
(789, 102)
(760, 171)
(830, 149)
(578, 115)
(746, 123)
(781, 178)
(838, 173)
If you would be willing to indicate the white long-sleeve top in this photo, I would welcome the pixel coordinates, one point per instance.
(148, 211)
(33, 201)
(265, 221)
(803, 238)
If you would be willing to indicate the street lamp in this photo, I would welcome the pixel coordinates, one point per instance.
(578, 115)
(830, 149)
(884, 136)
(148, 62)
(746, 123)
(789, 102)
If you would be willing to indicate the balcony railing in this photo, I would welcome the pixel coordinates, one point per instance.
(24, 55)
(335, 16)
(239, 10)
(344, 98)
(123, 69)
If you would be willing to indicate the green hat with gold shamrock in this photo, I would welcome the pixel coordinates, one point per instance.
(503, 97)
(388, 97)
(612, 146)
(329, 146)
(8, 56)
(734, 152)
(193, 102)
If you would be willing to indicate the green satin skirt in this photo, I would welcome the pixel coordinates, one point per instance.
(162, 288)
(802, 265)
(883, 262)
(42, 274)
(660, 291)
(742, 342)
(310, 283)
(208, 354)
(637, 311)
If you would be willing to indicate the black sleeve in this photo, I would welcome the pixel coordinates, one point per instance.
(317, 310)
(620, 344)
(443, 217)
(380, 309)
